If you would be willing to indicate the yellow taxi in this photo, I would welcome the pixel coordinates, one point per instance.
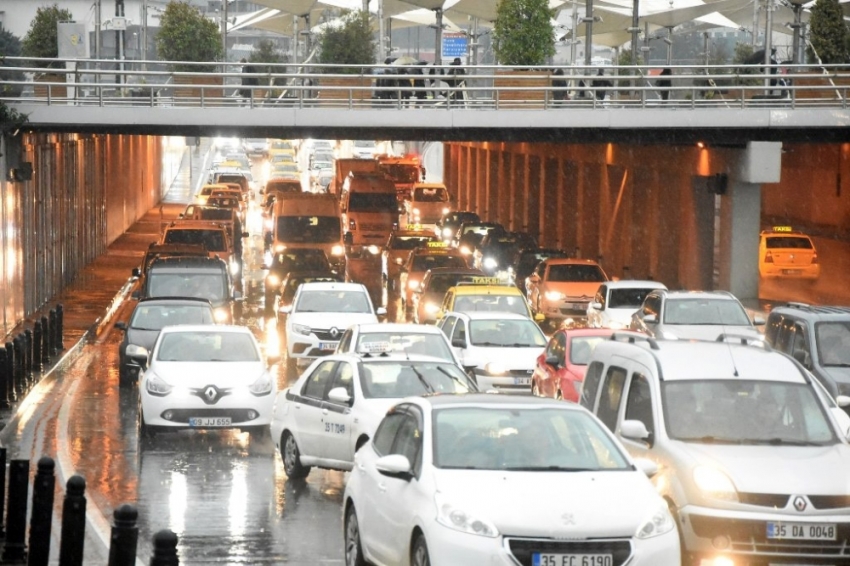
(787, 253)
(485, 294)
(419, 261)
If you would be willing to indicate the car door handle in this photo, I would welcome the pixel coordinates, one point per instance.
(382, 487)
(324, 411)
(297, 406)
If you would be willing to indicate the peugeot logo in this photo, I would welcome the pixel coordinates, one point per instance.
(210, 393)
(334, 332)
(799, 504)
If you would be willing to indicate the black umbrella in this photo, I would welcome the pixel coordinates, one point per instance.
(758, 57)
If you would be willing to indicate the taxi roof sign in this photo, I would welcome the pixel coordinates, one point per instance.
(782, 229)
(438, 244)
(375, 347)
(482, 280)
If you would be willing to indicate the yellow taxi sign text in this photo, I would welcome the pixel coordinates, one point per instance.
(487, 280)
(438, 244)
(782, 229)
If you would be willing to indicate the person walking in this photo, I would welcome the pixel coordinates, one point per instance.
(560, 86)
(664, 83)
(455, 81)
(248, 80)
(601, 84)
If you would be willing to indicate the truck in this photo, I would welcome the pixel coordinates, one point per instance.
(345, 166)
(369, 212)
(404, 172)
(308, 220)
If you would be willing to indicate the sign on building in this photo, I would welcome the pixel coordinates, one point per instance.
(454, 45)
(73, 40)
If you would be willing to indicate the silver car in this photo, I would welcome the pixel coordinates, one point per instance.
(751, 451)
(693, 315)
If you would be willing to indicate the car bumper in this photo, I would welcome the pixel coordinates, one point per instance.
(504, 384)
(564, 309)
(710, 533)
(790, 271)
(304, 349)
(239, 406)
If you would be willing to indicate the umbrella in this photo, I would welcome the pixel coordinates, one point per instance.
(758, 57)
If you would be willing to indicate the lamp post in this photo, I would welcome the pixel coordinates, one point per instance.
(224, 28)
(588, 33)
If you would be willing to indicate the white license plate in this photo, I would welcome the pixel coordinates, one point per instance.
(328, 345)
(571, 560)
(801, 531)
(575, 306)
(792, 271)
(522, 381)
(209, 421)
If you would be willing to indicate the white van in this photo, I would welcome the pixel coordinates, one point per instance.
(369, 212)
(307, 220)
(428, 203)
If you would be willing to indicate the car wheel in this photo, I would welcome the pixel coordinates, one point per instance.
(419, 553)
(353, 548)
(145, 430)
(292, 458)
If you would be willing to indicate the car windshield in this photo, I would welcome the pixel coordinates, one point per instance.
(426, 262)
(364, 143)
(745, 412)
(576, 273)
(373, 202)
(833, 342)
(212, 240)
(426, 344)
(491, 303)
(333, 301)
(519, 439)
(207, 346)
(527, 262)
(210, 213)
(308, 229)
(627, 298)
(789, 242)
(705, 311)
(155, 317)
(439, 284)
(394, 379)
(430, 194)
(232, 179)
(409, 242)
(506, 334)
(581, 347)
(210, 285)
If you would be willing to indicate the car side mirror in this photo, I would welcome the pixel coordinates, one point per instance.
(121, 325)
(552, 361)
(458, 343)
(647, 466)
(381, 311)
(539, 317)
(137, 355)
(635, 430)
(245, 234)
(758, 320)
(842, 401)
(339, 395)
(596, 306)
(137, 272)
(650, 319)
(394, 466)
(803, 357)
(285, 309)
(843, 420)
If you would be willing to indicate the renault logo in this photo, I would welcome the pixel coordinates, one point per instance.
(210, 393)
(334, 332)
(799, 504)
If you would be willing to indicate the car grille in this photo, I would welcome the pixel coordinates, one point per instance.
(326, 335)
(751, 537)
(777, 501)
(523, 549)
(829, 501)
(578, 311)
(183, 415)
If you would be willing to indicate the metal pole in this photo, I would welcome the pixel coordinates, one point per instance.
(573, 38)
(97, 25)
(474, 42)
(588, 33)
(438, 48)
(119, 39)
(797, 28)
(144, 50)
(382, 52)
(755, 22)
(224, 29)
(670, 46)
(635, 29)
(768, 36)
(705, 47)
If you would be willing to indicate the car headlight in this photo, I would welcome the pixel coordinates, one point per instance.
(280, 248)
(658, 523)
(263, 386)
(413, 284)
(447, 210)
(268, 224)
(301, 329)
(156, 386)
(416, 211)
(399, 261)
(272, 281)
(338, 250)
(490, 263)
(458, 519)
(432, 308)
(447, 232)
(553, 295)
(495, 368)
(465, 250)
(715, 484)
(234, 268)
(221, 314)
(374, 250)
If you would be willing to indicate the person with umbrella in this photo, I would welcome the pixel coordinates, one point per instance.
(455, 82)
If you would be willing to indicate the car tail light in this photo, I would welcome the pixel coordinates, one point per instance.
(768, 257)
(352, 225)
(395, 225)
(815, 258)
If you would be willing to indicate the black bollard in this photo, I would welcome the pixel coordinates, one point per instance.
(164, 549)
(42, 513)
(45, 341)
(18, 347)
(125, 536)
(10, 372)
(36, 346)
(73, 523)
(4, 402)
(60, 326)
(28, 360)
(2, 489)
(15, 549)
(54, 344)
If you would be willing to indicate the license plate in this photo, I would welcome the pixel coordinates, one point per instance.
(209, 421)
(575, 306)
(522, 381)
(801, 531)
(571, 560)
(328, 345)
(792, 271)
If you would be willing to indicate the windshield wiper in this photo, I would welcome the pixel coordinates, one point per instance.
(837, 365)
(708, 439)
(454, 378)
(549, 469)
(422, 380)
(776, 441)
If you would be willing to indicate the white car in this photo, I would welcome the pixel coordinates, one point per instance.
(397, 338)
(497, 480)
(616, 301)
(319, 314)
(336, 405)
(203, 376)
(499, 349)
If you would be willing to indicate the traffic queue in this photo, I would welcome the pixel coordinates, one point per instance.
(526, 408)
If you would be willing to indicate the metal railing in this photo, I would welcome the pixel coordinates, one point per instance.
(87, 82)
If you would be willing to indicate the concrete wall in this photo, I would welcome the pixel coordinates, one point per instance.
(86, 191)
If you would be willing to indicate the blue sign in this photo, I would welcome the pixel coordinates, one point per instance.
(454, 45)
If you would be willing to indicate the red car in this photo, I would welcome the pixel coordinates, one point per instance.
(560, 369)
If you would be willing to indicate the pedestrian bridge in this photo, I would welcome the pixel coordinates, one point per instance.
(720, 104)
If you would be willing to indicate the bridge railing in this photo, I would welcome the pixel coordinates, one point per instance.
(107, 82)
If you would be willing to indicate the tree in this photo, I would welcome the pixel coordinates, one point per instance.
(349, 43)
(10, 45)
(523, 32)
(266, 51)
(187, 35)
(42, 38)
(828, 31)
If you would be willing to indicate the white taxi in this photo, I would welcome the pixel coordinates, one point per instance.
(787, 253)
(336, 405)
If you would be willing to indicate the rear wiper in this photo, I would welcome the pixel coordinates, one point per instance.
(548, 469)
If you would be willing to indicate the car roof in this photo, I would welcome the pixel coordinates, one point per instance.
(174, 300)
(332, 286)
(634, 284)
(189, 224)
(399, 327)
(702, 360)
(414, 233)
(569, 261)
(813, 312)
(209, 328)
(677, 294)
(455, 271)
(488, 315)
(189, 261)
(492, 400)
(487, 290)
